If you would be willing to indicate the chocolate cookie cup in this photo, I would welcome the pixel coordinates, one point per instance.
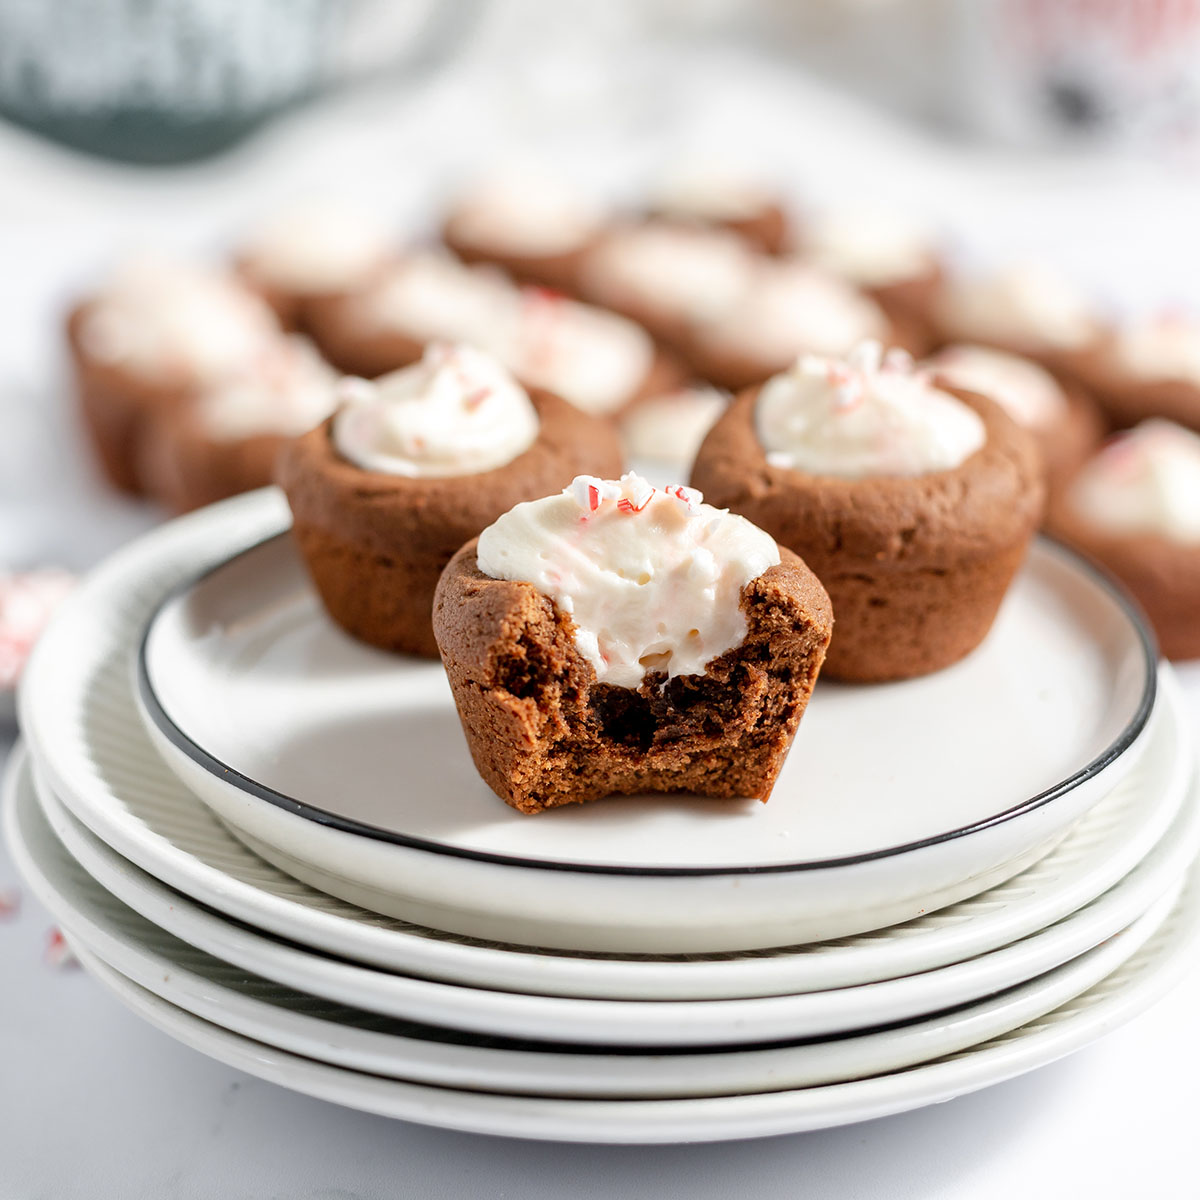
(916, 566)
(376, 543)
(117, 406)
(543, 732)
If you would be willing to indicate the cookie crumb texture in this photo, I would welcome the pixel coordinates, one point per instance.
(543, 732)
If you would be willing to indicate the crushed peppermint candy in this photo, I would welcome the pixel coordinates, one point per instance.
(58, 951)
(652, 578)
(27, 602)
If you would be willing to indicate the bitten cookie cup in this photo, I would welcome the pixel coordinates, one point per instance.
(376, 543)
(543, 732)
(916, 566)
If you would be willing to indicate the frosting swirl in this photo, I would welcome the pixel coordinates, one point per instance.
(869, 248)
(172, 321)
(869, 415)
(652, 578)
(456, 412)
(669, 428)
(317, 247)
(1165, 348)
(1144, 482)
(1027, 392)
(289, 391)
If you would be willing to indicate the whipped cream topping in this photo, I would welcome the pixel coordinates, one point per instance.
(1165, 348)
(869, 415)
(525, 212)
(685, 273)
(871, 248)
(317, 247)
(711, 192)
(651, 577)
(456, 412)
(173, 321)
(792, 309)
(288, 391)
(1027, 392)
(1027, 304)
(431, 297)
(593, 359)
(669, 428)
(1144, 482)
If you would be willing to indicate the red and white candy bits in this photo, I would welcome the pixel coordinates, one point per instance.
(27, 601)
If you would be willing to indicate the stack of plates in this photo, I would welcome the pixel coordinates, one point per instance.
(270, 842)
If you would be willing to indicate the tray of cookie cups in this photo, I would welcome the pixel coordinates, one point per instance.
(1062, 416)
(597, 361)
(893, 260)
(915, 506)
(313, 250)
(1148, 368)
(1134, 508)
(1025, 308)
(716, 195)
(226, 439)
(413, 465)
(527, 220)
(152, 336)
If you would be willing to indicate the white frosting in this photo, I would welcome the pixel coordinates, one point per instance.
(316, 247)
(172, 321)
(871, 248)
(870, 415)
(709, 192)
(668, 429)
(593, 359)
(1027, 304)
(287, 392)
(652, 578)
(432, 297)
(792, 309)
(683, 273)
(525, 213)
(456, 412)
(1027, 392)
(1144, 482)
(1166, 348)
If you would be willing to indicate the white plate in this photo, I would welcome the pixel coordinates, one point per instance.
(347, 768)
(626, 1023)
(1128, 991)
(255, 1007)
(144, 813)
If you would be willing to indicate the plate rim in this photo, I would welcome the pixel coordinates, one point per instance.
(154, 711)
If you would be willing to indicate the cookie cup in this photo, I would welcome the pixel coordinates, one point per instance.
(375, 543)
(544, 732)
(916, 567)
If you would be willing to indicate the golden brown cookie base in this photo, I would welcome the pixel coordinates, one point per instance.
(916, 567)
(1163, 576)
(1127, 400)
(543, 733)
(375, 544)
(559, 272)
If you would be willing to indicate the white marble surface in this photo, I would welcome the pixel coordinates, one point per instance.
(96, 1105)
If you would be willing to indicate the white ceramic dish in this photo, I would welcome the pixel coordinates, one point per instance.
(1128, 991)
(142, 811)
(255, 1007)
(626, 1023)
(347, 768)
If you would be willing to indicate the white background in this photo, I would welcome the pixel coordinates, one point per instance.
(96, 1105)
